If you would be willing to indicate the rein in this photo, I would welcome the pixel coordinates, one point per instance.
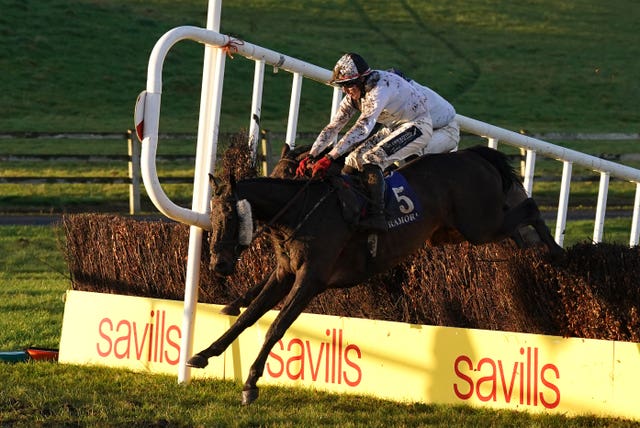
(306, 217)
(288, 205)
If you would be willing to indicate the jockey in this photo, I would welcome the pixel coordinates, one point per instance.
(381, 97)
(446, 131)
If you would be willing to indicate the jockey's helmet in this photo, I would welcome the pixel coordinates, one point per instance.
(349, 69)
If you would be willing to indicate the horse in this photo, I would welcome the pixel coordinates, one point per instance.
(461, 196)
(524, 236)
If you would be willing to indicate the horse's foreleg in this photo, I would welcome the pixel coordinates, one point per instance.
(233, 308)
(273, 291)
(298, 299)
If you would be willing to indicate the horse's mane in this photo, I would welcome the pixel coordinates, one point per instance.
(237, 159)
(236, 166)
(297, 151)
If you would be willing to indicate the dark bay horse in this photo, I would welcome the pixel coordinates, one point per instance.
(462, 197)
(524, 236)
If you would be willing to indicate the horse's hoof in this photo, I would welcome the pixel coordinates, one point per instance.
(198, 361)
(230, 310)
(249, 396)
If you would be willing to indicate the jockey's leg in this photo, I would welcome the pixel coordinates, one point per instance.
(354, 161)
(374, 180)
(444, 140)
(406, 140)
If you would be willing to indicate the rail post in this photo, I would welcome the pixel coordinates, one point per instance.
(635, 221)
(601, 208)
(563, 202)
(133, 150)
(265, 145)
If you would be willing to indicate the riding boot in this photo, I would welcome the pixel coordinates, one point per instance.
(374, 182)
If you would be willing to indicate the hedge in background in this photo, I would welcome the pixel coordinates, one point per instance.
(592, 292)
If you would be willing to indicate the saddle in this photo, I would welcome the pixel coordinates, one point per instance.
(401, 204)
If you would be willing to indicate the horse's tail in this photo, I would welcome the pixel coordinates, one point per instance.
(499, 161)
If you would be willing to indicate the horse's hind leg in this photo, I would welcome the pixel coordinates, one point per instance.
(233, 308)
(274, 290)
(527, 213)
(545, 235)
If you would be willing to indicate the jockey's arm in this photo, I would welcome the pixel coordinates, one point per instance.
(328, 135)
(372, 105)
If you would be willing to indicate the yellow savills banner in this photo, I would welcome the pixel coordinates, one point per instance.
(389, 360)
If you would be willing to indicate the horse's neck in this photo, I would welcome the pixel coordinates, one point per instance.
(271, 199)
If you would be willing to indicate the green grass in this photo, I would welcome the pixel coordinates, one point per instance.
(540, 65)
(33, 277)
(93, 396)
(615, 230)
(67, 198)
(112, 146)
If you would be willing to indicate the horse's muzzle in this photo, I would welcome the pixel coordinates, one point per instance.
(224, 268)
(224, 262)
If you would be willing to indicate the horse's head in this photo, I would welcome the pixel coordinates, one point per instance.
(232, 227)
(288, 162)
(290, 159)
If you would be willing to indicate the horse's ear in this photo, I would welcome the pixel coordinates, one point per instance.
(285, 150)
(216, 184)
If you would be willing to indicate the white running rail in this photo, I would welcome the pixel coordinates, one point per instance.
(216, 45)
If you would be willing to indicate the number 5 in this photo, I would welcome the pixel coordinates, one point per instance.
(404, 202)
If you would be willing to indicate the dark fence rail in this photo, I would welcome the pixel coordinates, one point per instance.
(86, 180)
(132, 158)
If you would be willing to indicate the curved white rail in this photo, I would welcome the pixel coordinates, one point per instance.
(150, 101)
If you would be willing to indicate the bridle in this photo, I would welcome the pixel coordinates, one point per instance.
(290, 203)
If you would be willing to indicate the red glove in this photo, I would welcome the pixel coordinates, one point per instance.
(301, 171)
(320, 167)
